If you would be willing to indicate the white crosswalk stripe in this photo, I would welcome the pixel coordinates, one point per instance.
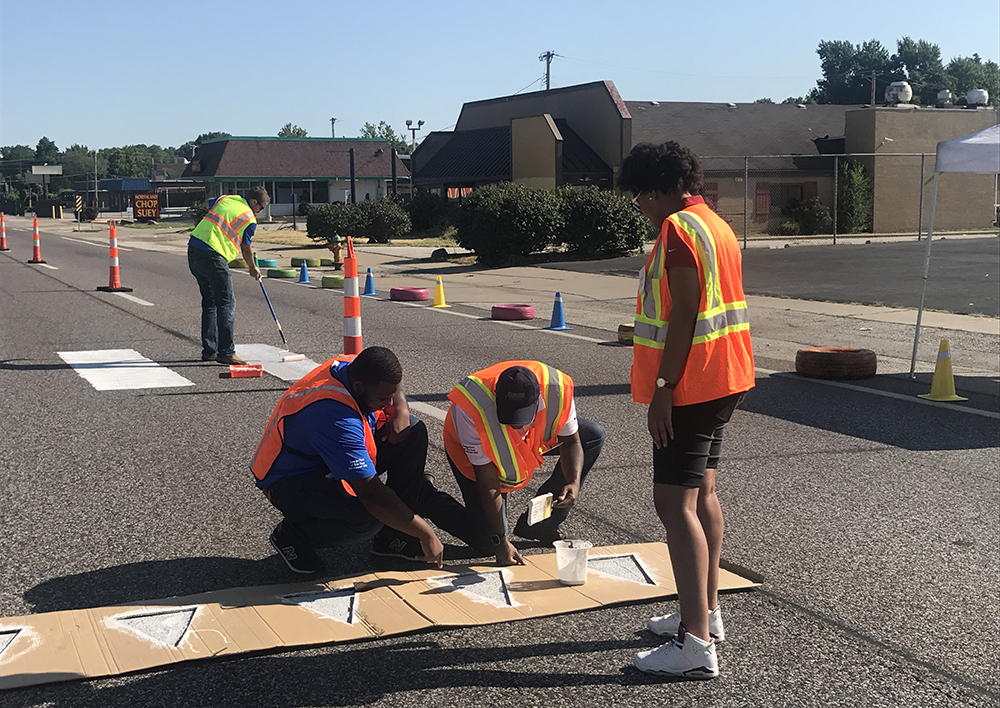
(119, 369)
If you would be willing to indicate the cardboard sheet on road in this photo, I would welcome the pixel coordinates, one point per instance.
(107, 641)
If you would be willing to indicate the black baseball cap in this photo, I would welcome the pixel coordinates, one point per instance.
(517, 396)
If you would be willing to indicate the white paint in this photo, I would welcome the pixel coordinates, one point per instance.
(16, 641)
(270, 358)
(617, 566)
(166, 628)
(426, 409)
(490, 588)
(339, 604)
(133, 298)
(118, 369)
(92, 243)
(508, 323)
(884, 394)
(46, 265)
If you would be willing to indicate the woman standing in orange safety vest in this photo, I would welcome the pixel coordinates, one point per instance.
(692, 364)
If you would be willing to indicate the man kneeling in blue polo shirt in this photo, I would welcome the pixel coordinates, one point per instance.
(319, 459)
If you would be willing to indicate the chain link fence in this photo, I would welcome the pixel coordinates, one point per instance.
(844, 195)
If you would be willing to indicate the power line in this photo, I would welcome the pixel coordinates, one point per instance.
(671, 73)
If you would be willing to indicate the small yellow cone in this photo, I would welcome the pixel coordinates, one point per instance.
(943, 385)
(439, 294)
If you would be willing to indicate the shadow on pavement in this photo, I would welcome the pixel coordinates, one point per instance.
(877, 418)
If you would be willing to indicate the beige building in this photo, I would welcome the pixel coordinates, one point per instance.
(903, 184)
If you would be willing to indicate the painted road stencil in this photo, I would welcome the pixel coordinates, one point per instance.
(167, 628)
(340, 605)
(118, 369)
(490, 586)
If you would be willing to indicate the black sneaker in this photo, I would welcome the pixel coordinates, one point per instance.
(298, 557)
(392, 544)
(543, 533)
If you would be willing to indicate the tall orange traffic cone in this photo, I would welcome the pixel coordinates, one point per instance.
(114, 274)
(439, 294)
(3, 233)
(36, 248)
(943, 384)
(353, 342)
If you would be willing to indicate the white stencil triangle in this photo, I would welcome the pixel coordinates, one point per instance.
(7, 637)
(489, 586)
(166, 628)
(626, 567)
(333, 604)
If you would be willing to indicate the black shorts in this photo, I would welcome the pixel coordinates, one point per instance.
(697, 441)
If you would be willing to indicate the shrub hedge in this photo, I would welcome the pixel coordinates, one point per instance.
(600, 223)
(378, 221)
(504, 221)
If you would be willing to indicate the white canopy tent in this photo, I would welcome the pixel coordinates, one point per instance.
(978, 153)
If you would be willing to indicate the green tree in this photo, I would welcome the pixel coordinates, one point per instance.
(47, 152)
(764, 100)
(15, 159)
(128, 161)
(188, 149)
(385, 132)
(967, 73)
(799, 100)
(847, 71)
(292, 131)
(919, 62)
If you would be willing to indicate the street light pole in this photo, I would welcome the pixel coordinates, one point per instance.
(333, 127)
(413, 131)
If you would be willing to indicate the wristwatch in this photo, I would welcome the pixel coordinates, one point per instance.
(663, 383)
(497, 539)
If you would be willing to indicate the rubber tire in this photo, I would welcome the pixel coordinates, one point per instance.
(513, 312)
(333, 281)
(237, 263)
(835, 363)
(282, 273)
(626, 332)
(310, 262)
(267, 262)
(409, 294)
(326, 262)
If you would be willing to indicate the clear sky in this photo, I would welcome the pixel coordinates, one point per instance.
(106, 73)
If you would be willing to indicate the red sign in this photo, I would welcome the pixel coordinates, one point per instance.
(145, 206)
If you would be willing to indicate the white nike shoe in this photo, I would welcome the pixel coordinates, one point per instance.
(691, 658)
(669, 625)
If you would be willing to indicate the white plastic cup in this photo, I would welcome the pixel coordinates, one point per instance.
(571, 559)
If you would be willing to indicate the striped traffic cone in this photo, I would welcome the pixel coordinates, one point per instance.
(3, 233)
(36, 247)
(439, 294)
(943, 384)
(352, 303)
(114, 275)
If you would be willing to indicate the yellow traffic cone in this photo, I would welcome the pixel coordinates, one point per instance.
(943, 385)
(439, 294)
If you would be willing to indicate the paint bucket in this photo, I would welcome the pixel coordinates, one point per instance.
(571, 559)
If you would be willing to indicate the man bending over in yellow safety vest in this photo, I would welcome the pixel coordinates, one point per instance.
(319, 459)
(502, 420)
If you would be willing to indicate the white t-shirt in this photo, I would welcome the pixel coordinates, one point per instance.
(468, 436)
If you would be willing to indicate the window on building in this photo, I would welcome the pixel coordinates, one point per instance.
(782, 195)
(282, 193)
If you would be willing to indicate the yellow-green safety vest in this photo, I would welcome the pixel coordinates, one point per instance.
(222, 228)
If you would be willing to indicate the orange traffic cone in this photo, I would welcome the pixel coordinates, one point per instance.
(114, 273)
(943, 384)
(36, 247)
(3, 233)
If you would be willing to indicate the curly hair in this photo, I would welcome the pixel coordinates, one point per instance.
(377, 365)
(664, 168)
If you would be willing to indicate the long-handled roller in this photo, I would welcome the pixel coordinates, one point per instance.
(290, 357)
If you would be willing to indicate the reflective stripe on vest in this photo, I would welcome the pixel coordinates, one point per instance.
(317, 385)
(718, 319)
(222, 227)
(502, 444)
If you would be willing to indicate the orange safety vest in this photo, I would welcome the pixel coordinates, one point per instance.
(516, 458)
(318, 385)
(720, 362)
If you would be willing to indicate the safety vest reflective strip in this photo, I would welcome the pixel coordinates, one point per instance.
(718, 319)
(229, 229)
(500, 446)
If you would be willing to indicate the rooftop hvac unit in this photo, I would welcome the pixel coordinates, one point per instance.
(898, 92)
(943, 98)
(977, 97)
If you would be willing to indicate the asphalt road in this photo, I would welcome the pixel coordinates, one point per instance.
(964, 275)
(873, 520)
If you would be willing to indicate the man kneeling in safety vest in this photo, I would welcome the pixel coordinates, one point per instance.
(318, 462)
(502, 420)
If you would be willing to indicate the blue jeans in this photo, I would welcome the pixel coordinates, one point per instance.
(218, 304)
(592, 437)
(320, 513)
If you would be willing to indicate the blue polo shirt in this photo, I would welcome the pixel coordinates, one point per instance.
(330, 440)
(247, 237)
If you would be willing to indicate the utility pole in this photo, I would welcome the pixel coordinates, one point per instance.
(547, 57)
(874, 74)
(333, 127)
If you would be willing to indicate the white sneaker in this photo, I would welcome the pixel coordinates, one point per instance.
(669, 625)
(691, 658)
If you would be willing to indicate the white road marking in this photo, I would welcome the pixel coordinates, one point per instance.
(885, 394)
(46, 265)
(118, 369)
(92, 243)
(270, 358)
(135, 299)
(427, 409)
